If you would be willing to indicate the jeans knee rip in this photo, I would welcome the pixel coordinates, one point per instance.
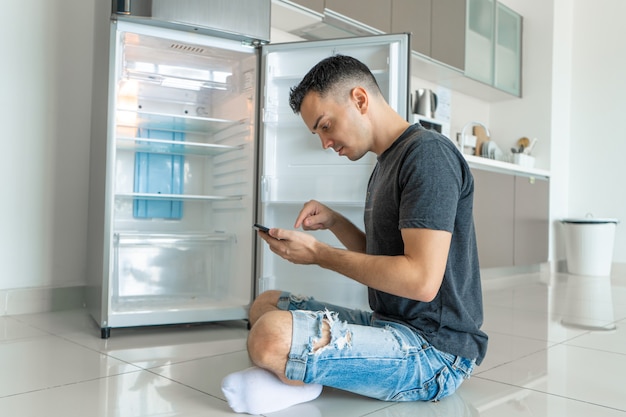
(340, 335)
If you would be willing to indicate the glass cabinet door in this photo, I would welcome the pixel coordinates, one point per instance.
(508, 50)
(479, 40)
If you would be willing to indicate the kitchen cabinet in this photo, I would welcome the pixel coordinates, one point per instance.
(438, 28)
(493, 49)
(448, 32)
(494, 199)
(480, 40)
(531, 220)
(315, 5)
(472, 46)
(374, 13)
(511, 218)
(413, 16)
(508, 50)
(480, 32)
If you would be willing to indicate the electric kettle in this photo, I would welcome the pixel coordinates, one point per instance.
(425, 102)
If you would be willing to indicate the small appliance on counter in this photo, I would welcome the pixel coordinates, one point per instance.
(425, 103)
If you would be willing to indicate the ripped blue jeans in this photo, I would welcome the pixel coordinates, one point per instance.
(375, 358)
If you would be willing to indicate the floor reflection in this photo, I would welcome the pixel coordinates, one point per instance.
(588, 303)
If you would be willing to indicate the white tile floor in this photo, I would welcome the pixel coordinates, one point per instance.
(557, 348)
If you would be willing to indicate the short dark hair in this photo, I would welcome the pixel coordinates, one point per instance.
(330, 73)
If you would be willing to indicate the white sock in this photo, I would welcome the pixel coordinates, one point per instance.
(258, 391)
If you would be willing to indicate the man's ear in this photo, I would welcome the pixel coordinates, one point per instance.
(360, 98)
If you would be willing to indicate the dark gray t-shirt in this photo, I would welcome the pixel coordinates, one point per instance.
(423, 181)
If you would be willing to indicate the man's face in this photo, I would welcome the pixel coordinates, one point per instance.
(340, 125)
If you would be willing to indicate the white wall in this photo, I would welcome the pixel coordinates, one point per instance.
(597, 166)
(45, 117)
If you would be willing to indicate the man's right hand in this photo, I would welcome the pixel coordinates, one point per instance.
(315, 216)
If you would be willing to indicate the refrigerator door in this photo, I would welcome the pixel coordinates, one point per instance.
(294, 167)
(181, 170)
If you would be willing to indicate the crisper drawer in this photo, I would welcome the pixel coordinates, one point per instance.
(160, 270)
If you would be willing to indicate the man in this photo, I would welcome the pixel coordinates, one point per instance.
(417, 257)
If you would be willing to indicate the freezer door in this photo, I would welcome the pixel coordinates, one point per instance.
(294, 168)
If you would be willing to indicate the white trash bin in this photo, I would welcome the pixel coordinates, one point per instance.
(589, 245)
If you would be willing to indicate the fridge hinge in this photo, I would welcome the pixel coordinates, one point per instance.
(253, 42)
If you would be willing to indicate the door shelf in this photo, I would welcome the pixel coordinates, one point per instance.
(173, 123)
(173, 147)
(176, 197)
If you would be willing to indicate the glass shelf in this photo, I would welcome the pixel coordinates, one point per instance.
(150, 239)
(173, 123)
(177, 197)
(172, 146)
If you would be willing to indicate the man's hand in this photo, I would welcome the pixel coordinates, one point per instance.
(295, 247)
(315, 216)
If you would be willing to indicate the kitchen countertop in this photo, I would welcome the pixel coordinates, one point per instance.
(487, 164)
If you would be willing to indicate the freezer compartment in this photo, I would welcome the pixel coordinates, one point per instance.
(173, 271)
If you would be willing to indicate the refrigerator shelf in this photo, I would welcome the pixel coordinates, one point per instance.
(177, 197)
(150, 239)
(173, 123)
(173, 147)
(195, 81)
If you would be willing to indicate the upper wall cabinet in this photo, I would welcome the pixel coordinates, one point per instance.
(508, 50)
(469, 46)
(448, 32)
(438, 28)
(315, 5)
(493, 48)
(479, 40)
(413, 16)
(374, 13)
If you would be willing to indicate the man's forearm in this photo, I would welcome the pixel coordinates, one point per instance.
(348, 234)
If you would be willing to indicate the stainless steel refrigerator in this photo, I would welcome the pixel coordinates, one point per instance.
(201, 143)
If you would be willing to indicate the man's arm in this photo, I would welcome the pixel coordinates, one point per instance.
(417, 274)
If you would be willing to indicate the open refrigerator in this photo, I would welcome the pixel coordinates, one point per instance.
(201, 144)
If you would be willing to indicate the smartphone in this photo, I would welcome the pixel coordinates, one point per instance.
(261, 228)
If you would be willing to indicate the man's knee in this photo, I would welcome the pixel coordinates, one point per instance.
(266, 301)
(268, 297)
(270, 338)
